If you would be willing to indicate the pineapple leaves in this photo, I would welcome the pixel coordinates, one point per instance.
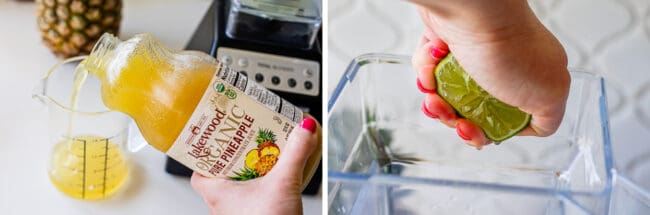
(265, 135)
(245, 174)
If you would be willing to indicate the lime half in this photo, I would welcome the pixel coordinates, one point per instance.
(499, 121)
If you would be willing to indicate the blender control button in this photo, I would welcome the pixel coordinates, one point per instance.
(259, 77)
(226, 60)
(292, 82)
(308, 85)
(308, 72)
(242, 62)
(275, 80)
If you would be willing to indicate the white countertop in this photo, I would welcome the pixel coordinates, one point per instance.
(24, 184)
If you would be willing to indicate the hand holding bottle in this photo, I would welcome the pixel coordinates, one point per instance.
(279, 192)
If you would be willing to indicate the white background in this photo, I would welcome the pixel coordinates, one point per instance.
(24, 149)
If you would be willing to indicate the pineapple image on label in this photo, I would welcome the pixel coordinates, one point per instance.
(261, 160)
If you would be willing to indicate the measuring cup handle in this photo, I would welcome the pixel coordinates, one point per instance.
(38, 93)
(135, 139)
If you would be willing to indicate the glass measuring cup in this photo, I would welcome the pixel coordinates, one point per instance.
(88, 154)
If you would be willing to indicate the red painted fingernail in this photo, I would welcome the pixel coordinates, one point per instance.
(427, 112)
(461, 134)
(309, 124)
(424, 90)
(438, 53)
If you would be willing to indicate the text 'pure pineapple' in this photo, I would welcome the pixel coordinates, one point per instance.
(188, 105)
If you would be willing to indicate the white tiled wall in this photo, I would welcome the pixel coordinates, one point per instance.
(611, 37)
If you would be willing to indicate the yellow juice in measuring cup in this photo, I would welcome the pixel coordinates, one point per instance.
(88, 167)
(88, 157)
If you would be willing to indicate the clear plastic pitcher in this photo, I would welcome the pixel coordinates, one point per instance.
(386, 157)
(88, 160)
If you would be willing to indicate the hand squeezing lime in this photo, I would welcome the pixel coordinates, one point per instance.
(499, 121)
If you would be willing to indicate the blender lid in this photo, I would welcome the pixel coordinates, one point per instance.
(290, 10)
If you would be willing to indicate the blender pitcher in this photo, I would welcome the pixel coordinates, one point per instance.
(88, 158)
(386, 157)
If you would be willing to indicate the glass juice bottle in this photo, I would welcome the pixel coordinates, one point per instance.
(188, 105)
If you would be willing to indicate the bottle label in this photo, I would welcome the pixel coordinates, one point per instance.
(238, 129)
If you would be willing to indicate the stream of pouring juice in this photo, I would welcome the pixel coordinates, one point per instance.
(86, 167)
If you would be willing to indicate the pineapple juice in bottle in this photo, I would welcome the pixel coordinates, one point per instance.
(158, 89)
(188, 105)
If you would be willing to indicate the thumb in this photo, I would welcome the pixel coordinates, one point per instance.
(205, 186)
(300, 145)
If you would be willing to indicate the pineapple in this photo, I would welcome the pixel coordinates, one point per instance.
(266, 143)
(71, 27)
(252, 157)
(265, 164)
(261, 160)
(268, 151)
(264, 138)
(245, 174)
